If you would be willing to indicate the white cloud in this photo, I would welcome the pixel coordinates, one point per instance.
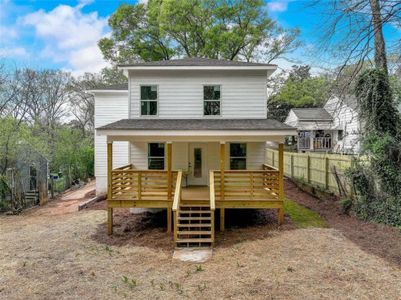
(278, 6)
(13, 52)
(70, 36)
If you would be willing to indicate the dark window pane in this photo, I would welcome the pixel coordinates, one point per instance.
(238, 150)
(155, 163)
(238, 163)
(148, 108)
(148, 92)
(156, 149)
(212, 108)
(211, 92)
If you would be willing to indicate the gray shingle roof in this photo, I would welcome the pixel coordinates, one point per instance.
(196, 124)
(196, 62)
(113, 87)
(312, 114)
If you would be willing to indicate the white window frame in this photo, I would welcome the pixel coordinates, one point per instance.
(220, 100)
(157, 101)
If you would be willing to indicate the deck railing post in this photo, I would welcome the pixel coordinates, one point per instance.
(109, 187)
(139, 185)
(169, 173)
(222, 188)
(281, 182)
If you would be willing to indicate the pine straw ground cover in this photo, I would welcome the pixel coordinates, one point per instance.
(68, 256)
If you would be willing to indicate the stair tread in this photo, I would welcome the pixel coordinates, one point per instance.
(195, 211)
(194, 218)
(195, 225)
(202, 232)
(195, 205)
(195, 240)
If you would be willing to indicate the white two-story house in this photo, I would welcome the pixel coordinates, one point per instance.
(188, 135)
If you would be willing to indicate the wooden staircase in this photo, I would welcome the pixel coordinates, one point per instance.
(194, 226)
(193, 220)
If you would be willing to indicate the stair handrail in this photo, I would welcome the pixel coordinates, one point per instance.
(176, 203)
(177, 193)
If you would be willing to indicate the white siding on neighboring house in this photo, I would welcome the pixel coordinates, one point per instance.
(109, 107)
(291, 119)
(345, 118)
(180, 93)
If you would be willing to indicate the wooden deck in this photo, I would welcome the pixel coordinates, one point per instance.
(129, 187)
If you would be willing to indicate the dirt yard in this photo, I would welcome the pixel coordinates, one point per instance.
(55, 252)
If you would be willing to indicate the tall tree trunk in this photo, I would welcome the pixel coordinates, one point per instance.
(380, 47)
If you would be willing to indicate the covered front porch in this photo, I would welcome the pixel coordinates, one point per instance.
(192, 195)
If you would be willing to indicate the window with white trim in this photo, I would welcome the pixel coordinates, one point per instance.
(156, 156)
(238, 156)
(211, 100)
(149, 98)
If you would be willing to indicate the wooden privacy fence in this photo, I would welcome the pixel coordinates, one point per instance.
(323, 170)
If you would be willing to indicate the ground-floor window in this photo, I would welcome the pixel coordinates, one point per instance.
(238, 156)
(156, 156)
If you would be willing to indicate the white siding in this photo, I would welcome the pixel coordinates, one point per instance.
(180, 93)
(345, 118)
(109, 108)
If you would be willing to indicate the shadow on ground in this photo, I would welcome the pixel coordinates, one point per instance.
(149, 229)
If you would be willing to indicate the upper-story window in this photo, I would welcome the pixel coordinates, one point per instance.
(211, 100)
(149, 100)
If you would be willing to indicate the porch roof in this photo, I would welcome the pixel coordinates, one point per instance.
(197, 124)
(205, 130)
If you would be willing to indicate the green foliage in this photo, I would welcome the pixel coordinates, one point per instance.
(160, 30)
(300, 90)
(346, 205)
(377, 182)
(301, 216)
(376, 102)
(74, 154)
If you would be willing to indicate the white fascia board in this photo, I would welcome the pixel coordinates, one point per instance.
(93, 92)
(198, 68)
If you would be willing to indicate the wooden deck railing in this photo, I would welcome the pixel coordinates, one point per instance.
(145, 185)
(247, 185)
(176, 203)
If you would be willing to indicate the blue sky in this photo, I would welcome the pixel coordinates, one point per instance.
(64, 34)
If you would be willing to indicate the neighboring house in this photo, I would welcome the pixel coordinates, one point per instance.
(333, 128)
(192, 135)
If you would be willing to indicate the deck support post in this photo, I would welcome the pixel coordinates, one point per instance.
(169, 221)
(170, 185)
(222, 219)
(109, 187)
(280, 211)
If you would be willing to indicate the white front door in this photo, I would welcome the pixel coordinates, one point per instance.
(197, 164)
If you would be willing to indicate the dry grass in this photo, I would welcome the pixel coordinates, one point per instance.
(58, 257)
